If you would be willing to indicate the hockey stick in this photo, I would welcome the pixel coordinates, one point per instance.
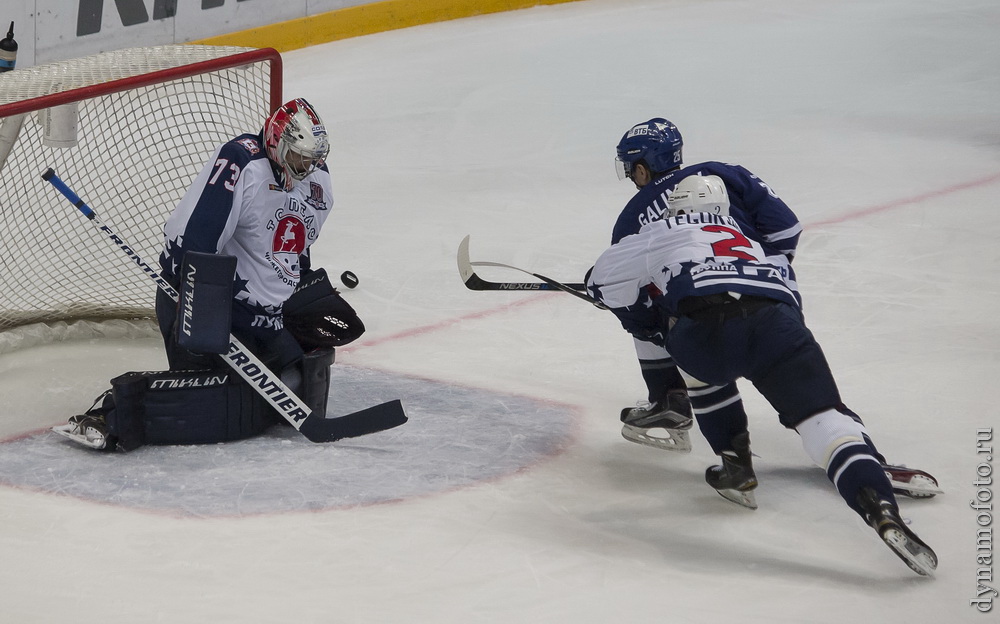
(314, 427)
(474, 282)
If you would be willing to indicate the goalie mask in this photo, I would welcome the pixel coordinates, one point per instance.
(318, 317)
(296, 141)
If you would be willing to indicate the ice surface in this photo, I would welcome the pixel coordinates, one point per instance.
(456, 436)
(876, 121)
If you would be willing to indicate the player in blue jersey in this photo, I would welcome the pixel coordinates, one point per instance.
(725, 308)
(650, 155)
(236, 248)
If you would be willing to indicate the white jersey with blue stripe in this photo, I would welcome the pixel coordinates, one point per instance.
(237, 207)
(690, 255)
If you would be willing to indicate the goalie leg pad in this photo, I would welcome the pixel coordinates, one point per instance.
(185, 407)
(204, 310)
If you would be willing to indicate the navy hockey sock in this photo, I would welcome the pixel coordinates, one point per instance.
(843, 409)
(720, 415)
(853, 468)
(661, 376)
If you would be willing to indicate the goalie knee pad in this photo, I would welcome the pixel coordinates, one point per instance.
(318, 316)
(185, 407)
(310, 378)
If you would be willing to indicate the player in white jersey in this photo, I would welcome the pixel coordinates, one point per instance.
(236, 248)
(650, 154)
(725, 310)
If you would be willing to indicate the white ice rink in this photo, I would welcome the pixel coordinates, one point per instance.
(510, 496)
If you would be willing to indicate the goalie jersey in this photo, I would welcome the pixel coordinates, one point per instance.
(237, 207)
(688, 255)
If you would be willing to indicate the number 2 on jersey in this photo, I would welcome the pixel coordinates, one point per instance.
(727, 246)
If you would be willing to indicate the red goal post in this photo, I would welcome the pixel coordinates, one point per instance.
(131, 129)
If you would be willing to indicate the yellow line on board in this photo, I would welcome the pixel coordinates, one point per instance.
(365, 20)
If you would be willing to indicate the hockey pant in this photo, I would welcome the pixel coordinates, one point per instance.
(718, 409)
(789, 369)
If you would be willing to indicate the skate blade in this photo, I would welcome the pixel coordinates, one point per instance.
(744, 499)
(672, 440)
(920, 558)
(918, 486)
(68, 431)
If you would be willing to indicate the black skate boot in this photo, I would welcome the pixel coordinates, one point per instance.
(911, 482)
(735, 479)
(90, 430)
(883, 516)
(660, 425)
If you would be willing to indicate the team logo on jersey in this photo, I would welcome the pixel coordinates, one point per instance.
(315, 198)
(250, 145)
(289, 241)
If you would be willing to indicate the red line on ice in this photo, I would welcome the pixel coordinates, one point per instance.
(906, 201)
(864, 212)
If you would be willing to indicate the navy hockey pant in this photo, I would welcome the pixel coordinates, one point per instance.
(771, 346)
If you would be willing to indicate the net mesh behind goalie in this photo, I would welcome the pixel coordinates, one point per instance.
(146, 121)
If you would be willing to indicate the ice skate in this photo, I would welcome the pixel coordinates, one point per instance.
(883, 516)
(90, 430)
(911, 483)
(735, 480)
(663, 426)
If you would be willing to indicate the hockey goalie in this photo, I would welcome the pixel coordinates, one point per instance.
(236, 252)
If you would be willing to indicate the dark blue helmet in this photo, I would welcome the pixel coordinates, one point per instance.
(656, 142)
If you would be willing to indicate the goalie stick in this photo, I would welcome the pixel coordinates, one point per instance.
(315, 427)
(474, 282)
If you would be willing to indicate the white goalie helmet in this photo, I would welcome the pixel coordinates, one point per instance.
(699, 194)
(296, 141)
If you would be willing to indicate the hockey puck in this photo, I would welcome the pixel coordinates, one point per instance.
(349, 279)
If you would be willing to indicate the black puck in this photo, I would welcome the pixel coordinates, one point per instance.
(349, 279)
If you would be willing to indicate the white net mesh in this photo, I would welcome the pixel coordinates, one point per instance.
(133, 153)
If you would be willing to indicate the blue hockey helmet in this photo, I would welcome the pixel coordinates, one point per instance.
(656, 142)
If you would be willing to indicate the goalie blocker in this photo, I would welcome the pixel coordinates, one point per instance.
(204, 305)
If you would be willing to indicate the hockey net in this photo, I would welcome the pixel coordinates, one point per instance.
(128, 130)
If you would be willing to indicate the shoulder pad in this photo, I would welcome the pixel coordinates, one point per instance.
(243, 148)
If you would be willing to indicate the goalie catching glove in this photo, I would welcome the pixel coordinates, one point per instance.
(318, 316)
